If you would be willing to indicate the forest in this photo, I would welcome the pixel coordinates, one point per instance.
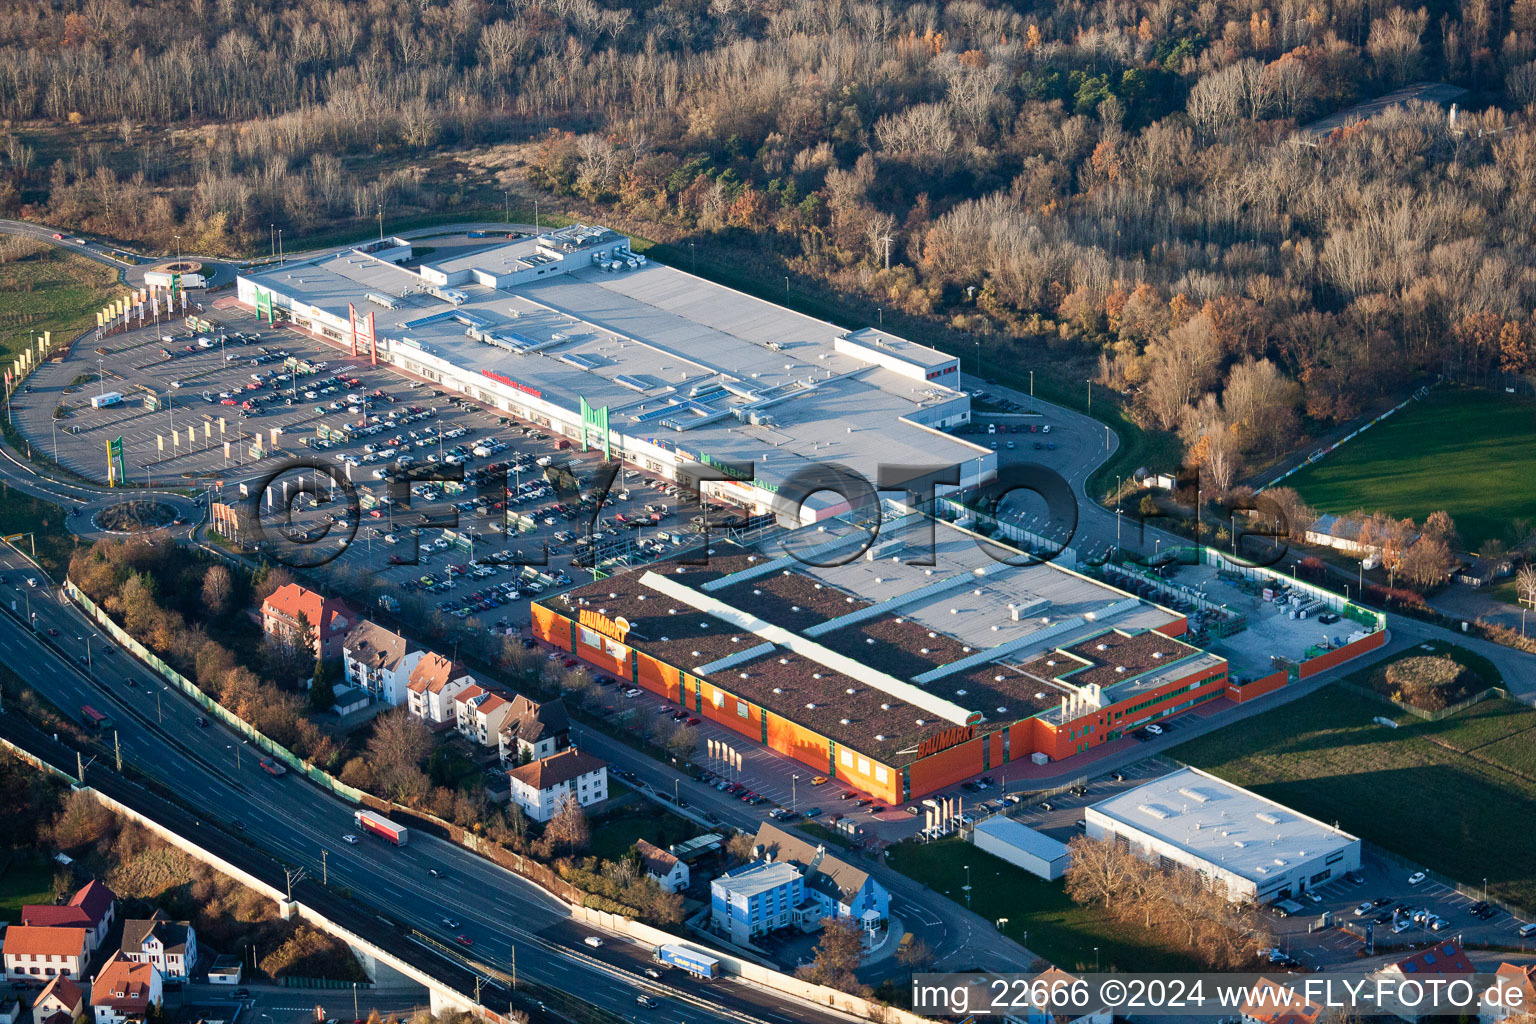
(1124, 186)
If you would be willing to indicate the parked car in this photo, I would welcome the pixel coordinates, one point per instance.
(1417, 877)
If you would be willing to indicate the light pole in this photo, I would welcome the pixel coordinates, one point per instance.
(794, 800)
(89, 668)
(1096, 958)
(1031, 383)
(178, 247)
(325, 867)
(236, 748)
(1090, 396)
(967, 888)
(159, 708)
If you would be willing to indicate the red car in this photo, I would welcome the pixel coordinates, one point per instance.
(692, 721)
(569, 663)
(229, 401)
(464, 940)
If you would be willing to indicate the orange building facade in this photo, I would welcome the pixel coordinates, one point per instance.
(949, 757)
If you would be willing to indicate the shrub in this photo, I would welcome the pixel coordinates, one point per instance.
(1431, 682)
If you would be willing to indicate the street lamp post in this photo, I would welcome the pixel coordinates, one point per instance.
(794, 804)
(236, 748)
(967, 887)
(1096, 958)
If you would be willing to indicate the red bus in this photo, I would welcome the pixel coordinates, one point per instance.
(93, 719)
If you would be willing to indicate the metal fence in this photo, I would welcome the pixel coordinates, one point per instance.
(255, 737)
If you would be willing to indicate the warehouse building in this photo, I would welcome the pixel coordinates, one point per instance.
(684, 378)
(1023, 847)
(897, 679)
(1261, 850)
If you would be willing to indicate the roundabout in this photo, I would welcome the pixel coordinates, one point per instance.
(140, 515)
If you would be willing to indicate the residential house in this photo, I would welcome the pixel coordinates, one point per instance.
(62, 1001)
(434, 683)
(480, 713)
(125, 990)
(1272, 1003)
(329, 618)
(1512, 994)
(37, 952)
(379, 661)
(760, 897)
(540, 787)
(93, 907)
(670, 873)
(171, 946)
(1446, 961)
(1058, 980)
(833, 887)
(533, 730)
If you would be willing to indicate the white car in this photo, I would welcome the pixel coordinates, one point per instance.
(1364, 908)
(1416, 877)
(1155, 729)
(349, 839)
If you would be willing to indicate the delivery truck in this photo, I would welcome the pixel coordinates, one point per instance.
(377, 824)
(691, 960)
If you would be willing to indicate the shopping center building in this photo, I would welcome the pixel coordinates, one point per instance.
(573, 332)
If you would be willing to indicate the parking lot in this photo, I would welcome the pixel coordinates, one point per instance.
(276, 413)
(1402, 912)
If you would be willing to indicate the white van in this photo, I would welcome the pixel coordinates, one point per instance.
(593, 941)
(543, 460)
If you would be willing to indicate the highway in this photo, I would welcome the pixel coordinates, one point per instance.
(207, 767)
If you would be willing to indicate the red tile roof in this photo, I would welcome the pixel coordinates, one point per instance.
(656, 860)
(46, 915)
(22, 940)
(1446, 958)
(433, 672)
(123, 984)
(95, 899)
(1272, 1003)
(322, 612)
(1515, 978)
(62, 990)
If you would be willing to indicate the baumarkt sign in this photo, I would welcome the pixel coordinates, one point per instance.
(617, 628)
(946, 739)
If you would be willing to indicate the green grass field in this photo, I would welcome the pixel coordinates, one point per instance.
(614, 834)
(1458, 795)
(1465, 451)
(53, 291)
(1039, 913)
(26, 881)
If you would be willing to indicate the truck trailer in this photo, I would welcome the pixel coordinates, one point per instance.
(691, 960)
(105, 399)
(377, 824)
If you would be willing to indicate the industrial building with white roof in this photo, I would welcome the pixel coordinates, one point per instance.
(573, 332)
(1262, 850)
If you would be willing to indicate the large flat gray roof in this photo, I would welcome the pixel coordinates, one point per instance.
(647, 342)
(1223, 824)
